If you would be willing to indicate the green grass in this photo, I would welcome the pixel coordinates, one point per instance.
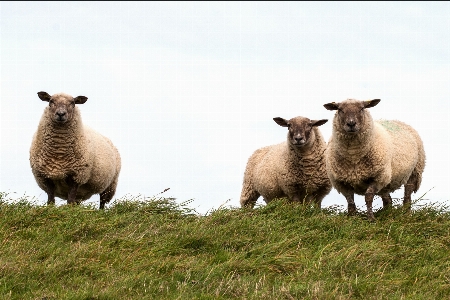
(160, 250)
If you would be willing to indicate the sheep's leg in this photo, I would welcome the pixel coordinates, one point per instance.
(73, 188)
(387, 200)
(108, 194)
(320, 195)
(370, 193)
(349, 194)
(104, 198)
(250, 198)
(410, 186)
(351, 207)
(50, 191)
(307, 199)
(313, 199)
(299, 198)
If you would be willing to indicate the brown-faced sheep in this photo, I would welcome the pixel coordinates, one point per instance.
(294, 169)
(70, 160)
(370, 158)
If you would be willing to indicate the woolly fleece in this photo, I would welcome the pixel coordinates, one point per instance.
(284, 170)
(385, 153)
(74, 150)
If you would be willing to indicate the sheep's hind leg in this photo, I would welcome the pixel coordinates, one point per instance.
(107, 194)
(50, 191)
(410, 187)
(249, 197)
(387, 200)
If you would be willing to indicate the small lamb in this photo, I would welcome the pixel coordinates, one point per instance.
(295, 168)
(372, 157)
(70, 160)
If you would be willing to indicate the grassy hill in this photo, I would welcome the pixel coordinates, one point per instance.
(160, 250)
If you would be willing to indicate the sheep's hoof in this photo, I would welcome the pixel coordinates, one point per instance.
(371, 217)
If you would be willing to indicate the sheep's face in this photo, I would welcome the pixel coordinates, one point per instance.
(351, 113)
(301, 131)
(61, 106)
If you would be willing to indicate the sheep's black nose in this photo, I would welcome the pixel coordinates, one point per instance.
(299, 139)
(351, 123)
(61, 113)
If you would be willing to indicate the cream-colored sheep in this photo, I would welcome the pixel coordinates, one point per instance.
(70, 160)
(294, 169)
(372, 157)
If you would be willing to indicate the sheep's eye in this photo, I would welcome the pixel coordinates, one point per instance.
(50, 103)
(73, 103)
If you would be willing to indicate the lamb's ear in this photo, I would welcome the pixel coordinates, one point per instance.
(318, 122)
(332, 106)
(371, 103)
(80, 99)
(44, 96)
(281, 121)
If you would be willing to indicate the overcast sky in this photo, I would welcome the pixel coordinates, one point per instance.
(187, 90)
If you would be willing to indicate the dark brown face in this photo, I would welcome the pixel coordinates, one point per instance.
(300, 129)
(61, 106)
(350, 113)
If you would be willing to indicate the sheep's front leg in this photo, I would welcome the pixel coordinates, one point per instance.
(351, 207)
(370, 193)
(73, 188)
(50, 191)
(349, 195)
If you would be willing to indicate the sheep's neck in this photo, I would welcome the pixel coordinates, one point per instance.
(58, 141)
(354, 145)
(300, 152)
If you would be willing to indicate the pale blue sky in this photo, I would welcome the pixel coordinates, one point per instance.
(187, 90)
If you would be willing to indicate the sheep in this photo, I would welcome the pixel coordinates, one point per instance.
(294, 168)
(370, 158)
(70, 160)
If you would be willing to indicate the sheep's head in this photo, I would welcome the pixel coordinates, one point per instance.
(61, 106)
(351, 113)
(300, 129)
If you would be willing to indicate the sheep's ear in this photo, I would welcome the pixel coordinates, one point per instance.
(371, 103)
(319, 122)
(80, 99)
(332, 106)
(44, 96)
(281, 121)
